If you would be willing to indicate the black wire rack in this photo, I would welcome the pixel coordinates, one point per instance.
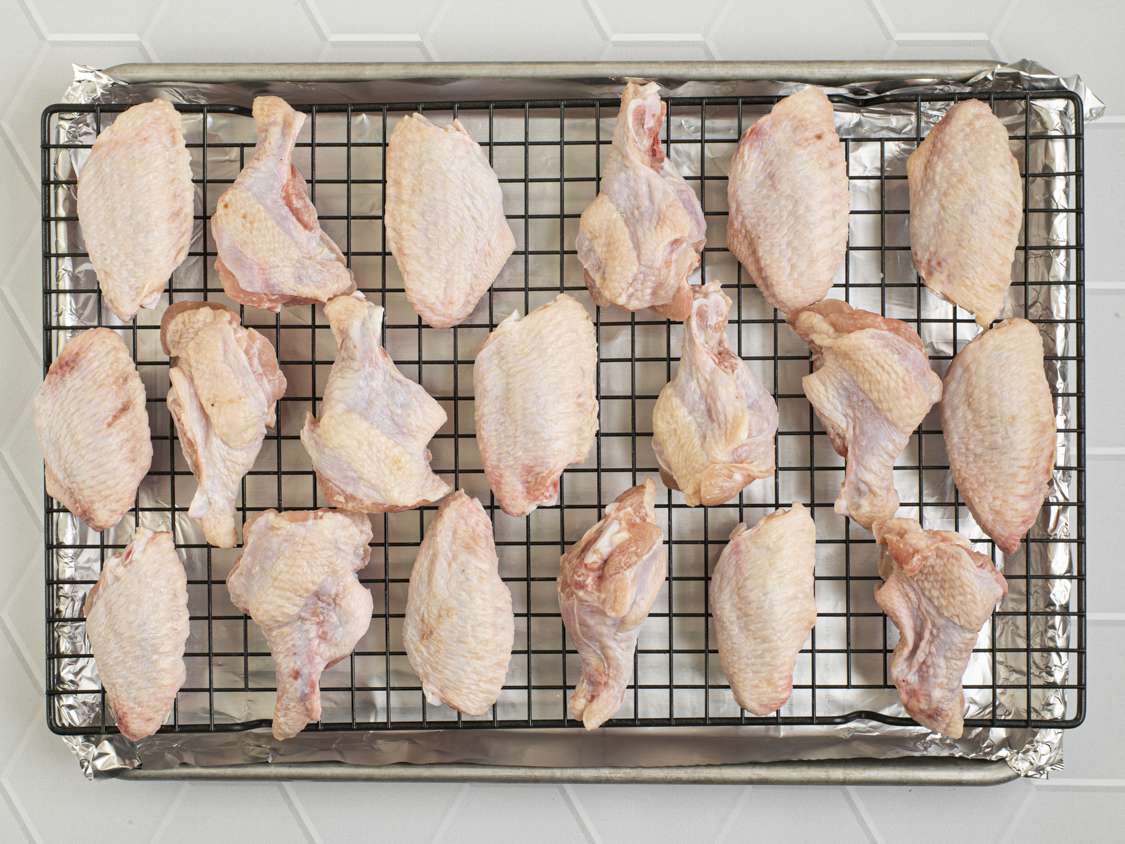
(548, 155)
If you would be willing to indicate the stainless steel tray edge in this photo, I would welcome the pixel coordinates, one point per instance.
(863, 771)
(905, 771)
(822, 72)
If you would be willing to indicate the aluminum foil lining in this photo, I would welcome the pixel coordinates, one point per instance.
(1031, 752)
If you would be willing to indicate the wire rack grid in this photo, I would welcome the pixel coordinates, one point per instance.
(548, 156)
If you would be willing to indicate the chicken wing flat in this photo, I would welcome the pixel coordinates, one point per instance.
(608, 581)
(641, 237)
(714, 423)
(459, 628)
(223, 390)
(536, 405)
(93, 428)
(966, 208)
(788, 201)
(999, 423)
(271, 249)
(296, 578)
(445, 219)
(135, 206)
(938, 592)
(871, 386)
(369, 445)
(762, 601)
(137, 624)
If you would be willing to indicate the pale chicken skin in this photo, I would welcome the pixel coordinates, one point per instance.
(641, 237)
(135, 201)
(788, 201)
(763, 605)
(536, 406)
(369, 444)
(966, 209)
(444, 219)
(271, 248)
(459, 628)
(714, 423)
(224, 387)
(137, 624)
(296, 578)
(608, 581)
(871, 386)
(998, 418)
(939, 593)
(93, 428)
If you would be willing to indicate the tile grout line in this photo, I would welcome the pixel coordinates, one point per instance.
(156, 14)
(7, 134)
(312, 12)
(860, 812)
(1021, 810)
(33, 18)
(882, 19)
(1002, 21)
(8, 137)
(653, 38)
(299, 814)
(594, 12)
(1110, 451)
(436, 18)
(24, 660)
(166, 821)
(1081, 784)
(6, 295)
(383, 39)
(29, 829)
(7, 765)
(450, 814)
(101, 39)
(23, 494)
(941, 37)
(575, 806)
(1106, 617)
(736, 810)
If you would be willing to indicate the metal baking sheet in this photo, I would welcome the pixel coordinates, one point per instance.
(1026, 680)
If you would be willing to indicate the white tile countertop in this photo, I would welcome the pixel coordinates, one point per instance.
(44, 797)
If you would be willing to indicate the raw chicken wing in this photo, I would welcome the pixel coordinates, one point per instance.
(137, 624)
(871, 386)
(939, 592)
(135, 206)
(999, 422)
(445, 219)
(459, 629)
(966, 207)
(714, 423)
(224, 387)
(641, 237)
(763, 605)
(296, 578)
(608, 581)
(536, 406)
(271, 249)
(369, 445)
(93, 428)
(788, 201)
